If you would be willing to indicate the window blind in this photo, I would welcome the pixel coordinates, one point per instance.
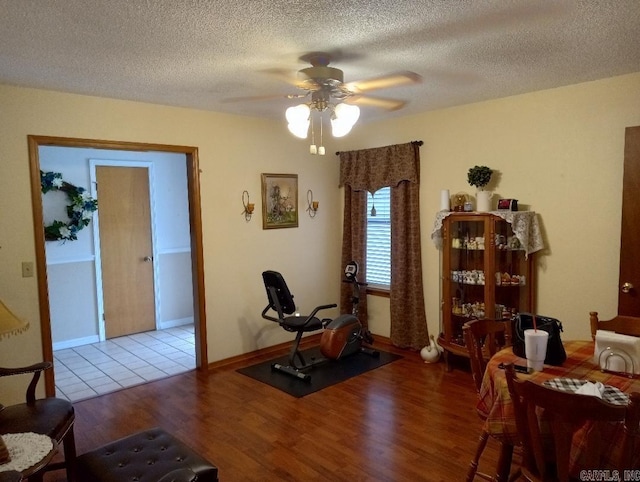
(379, 238)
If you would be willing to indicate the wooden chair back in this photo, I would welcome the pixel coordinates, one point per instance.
(564, 414)
(625, 325)
(483, 339)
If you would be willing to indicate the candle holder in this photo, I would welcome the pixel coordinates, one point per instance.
(312, 206)
(248, 206)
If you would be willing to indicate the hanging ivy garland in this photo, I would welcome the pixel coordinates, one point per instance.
(80, 208)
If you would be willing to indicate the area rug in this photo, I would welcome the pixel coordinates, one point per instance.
(322, 376)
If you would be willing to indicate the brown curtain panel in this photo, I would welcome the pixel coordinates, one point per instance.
(408, 318)
(354, 248)
(397, 166)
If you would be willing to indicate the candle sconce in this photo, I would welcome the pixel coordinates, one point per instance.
(248, 206)
(312, 206)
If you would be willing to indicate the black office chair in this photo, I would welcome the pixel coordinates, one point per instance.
(281, 301)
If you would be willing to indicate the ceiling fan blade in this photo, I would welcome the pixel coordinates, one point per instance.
(285, 75)
(252, 98)
(297, 79)
(367, 100)
(384, 82)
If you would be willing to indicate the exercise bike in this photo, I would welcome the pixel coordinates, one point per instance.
(342, 336)
(345, 335)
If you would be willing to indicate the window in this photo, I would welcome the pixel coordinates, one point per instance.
(379, 239)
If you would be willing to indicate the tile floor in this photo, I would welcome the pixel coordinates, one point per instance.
(91, 370)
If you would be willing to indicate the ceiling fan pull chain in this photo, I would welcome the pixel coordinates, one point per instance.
(312, 149)
(321, 148)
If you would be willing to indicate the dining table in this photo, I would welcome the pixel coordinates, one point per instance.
(494, 403)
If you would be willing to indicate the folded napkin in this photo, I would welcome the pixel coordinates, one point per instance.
(595, 389)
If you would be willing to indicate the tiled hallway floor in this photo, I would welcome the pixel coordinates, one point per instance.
(91, 370)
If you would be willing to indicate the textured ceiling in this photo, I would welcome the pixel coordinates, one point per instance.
(204, 54)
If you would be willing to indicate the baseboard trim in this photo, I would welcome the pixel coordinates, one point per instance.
(87, 340)
(163, 325)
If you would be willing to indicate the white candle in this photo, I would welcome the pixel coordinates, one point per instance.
(445, 200)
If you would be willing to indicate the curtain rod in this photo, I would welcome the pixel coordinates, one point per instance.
(419, 143)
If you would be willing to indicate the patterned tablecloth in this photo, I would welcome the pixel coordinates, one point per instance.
(495, 403)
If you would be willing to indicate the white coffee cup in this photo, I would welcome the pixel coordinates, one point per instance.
(535, 348)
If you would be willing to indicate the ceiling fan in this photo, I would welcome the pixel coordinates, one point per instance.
(324, 89)
(324, 84)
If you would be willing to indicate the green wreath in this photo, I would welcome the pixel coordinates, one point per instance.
(80, 208)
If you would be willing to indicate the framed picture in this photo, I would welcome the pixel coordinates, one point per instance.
(279, 201)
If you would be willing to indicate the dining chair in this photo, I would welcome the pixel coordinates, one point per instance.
(565, 414)
(483, 338)
(50, 416)
(625, 325)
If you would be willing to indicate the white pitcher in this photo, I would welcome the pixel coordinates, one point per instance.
(483, 201)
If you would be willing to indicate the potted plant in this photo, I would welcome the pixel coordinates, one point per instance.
(479, 176)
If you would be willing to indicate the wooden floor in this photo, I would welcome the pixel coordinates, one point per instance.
(405, 421)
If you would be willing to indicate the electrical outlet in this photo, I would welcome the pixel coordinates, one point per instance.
(27, 269)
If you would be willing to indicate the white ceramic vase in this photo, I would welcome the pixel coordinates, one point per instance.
(483, 201)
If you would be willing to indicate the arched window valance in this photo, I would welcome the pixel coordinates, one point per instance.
(372, 169)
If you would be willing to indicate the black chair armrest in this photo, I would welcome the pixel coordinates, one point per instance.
(36, 369)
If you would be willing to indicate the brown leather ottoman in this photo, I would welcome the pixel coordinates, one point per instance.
(149, 456)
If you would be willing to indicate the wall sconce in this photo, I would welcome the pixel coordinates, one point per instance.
(248, 206)
(312, 206)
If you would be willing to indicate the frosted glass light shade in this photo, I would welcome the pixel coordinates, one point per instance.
(340, 128)
(344, 118)
(348, 113)
(298, 118)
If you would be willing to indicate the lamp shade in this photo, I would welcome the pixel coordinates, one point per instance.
(10, 324)
(298, 119)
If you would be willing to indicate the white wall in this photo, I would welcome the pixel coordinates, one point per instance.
(560, 152)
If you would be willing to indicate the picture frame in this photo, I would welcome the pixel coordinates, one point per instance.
(279, 201)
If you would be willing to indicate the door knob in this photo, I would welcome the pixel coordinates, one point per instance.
(626, 287)
(147, 259)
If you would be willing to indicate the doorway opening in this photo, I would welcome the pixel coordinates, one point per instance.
(195, 235)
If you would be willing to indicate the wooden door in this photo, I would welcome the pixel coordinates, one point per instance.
(629, 282)
(126, 250)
